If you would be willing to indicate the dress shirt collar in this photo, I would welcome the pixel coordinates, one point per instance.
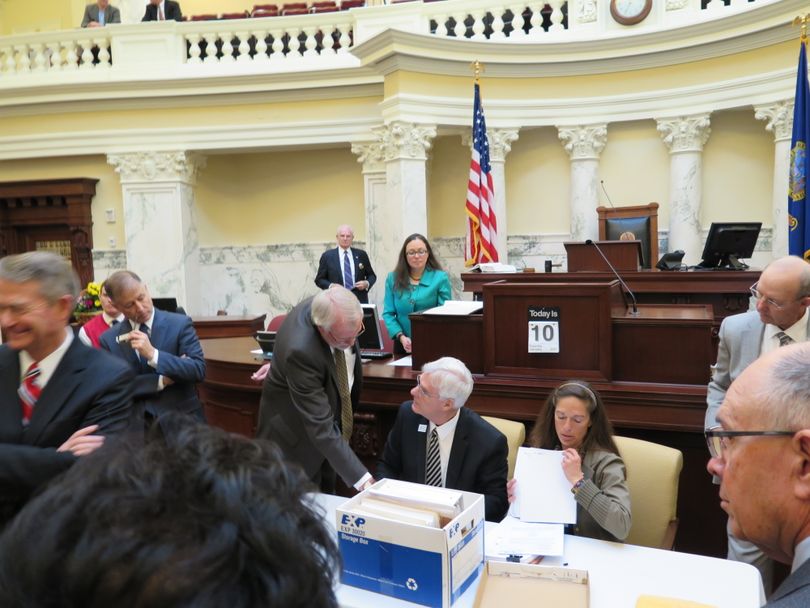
(109, 320)
(48, 364)
(341, 251)
(801, 554)
(797, 331)
(448, 429)
(149, 323)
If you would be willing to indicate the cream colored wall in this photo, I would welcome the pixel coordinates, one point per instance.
(108, 190)
(23, 16)
(448, 170)
(279, 197)
(738, 170)
(635, 167)
(538, 184)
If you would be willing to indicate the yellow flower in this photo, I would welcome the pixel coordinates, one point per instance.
(93, 289)
(97, 303)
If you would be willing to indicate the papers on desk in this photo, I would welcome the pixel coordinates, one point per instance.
(542, 493)
(459, 308)
(513, 537)
(402, 362)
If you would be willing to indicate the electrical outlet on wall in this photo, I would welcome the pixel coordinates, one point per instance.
(111, 242)
(110, 214)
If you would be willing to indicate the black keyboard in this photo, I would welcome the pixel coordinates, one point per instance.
(375, 354)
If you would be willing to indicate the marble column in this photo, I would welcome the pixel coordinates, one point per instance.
(161, 232)
(584, 144)
(779, 117)
(379, 243)
(500, 144)
(685, 137)
(402, 147)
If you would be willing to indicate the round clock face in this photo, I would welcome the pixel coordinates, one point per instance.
(630, 12)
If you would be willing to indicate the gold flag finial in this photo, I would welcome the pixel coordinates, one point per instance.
(802, 20)
(478, 69)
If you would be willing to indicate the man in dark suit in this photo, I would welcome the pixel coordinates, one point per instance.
(346, 265)
(471, 454)
(161, 347)
(162, 10)
(761, 453)
(313, 387)
(100, 14)
(58, 397)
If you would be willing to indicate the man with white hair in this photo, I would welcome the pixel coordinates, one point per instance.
(761, 453)
(346, 265)
(313, 386)
(437, 441)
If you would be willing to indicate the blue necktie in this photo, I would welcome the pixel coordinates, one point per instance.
(347, 271)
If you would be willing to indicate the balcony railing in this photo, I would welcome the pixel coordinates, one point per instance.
(323, 40)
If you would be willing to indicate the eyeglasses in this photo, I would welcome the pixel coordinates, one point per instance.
(350, 338)
(416, 252)
(575, 419)
(422, 389)
(759, 296)
(717, 439)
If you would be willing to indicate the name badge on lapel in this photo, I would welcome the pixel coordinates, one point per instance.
(422, 428)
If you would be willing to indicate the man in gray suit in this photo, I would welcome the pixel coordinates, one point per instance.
(100, 14)
(781, 317)
(313, 386)
(761, 454)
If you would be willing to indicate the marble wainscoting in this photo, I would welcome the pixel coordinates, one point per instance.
(272, 279)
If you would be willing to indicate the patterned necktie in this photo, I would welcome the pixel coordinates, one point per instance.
(784, 339)
(433, 461)
(347, 271)
(29, 392)
(346, 415)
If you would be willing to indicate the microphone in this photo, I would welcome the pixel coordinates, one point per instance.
(616, 274)
(607, 196)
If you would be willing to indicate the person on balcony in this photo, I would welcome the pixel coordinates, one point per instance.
(162, 10)
(100, 14)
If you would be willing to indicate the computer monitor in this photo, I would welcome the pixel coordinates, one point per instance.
(727, 243)
(167, 304)
(371, 339)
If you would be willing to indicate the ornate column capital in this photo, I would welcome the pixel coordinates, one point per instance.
(500, 142)
(583, 142)
(586, 11)
(685, 133)
(370, 154)
(405, 140)
(157, 166)
(779, 116)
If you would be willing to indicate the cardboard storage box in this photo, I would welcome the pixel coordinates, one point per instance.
(420, 564)
(511, 584)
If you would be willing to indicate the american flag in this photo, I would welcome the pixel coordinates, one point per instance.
(482, 227)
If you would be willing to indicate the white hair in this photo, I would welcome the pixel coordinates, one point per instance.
(334, 305)
(785, 396)
(451, 378)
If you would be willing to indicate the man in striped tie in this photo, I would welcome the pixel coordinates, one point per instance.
(782, 297)
(437, 441)
(59, 398)
(347, 266)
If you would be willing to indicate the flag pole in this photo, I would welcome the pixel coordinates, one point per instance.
(799, 20)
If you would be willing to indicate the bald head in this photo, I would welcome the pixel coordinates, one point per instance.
(784, 291)
(345, 236)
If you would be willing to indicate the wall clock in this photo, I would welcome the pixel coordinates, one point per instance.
(630, 12)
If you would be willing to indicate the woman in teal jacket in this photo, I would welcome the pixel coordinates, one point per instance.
(417, 283)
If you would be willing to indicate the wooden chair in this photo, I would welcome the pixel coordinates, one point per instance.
(347, 4)
(653, 472)
(640, 220)
(515, 434)
(275, 322)
(242, 15)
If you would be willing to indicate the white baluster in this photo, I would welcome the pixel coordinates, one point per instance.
(294, 44)
(261, 45)
(328, 41)
(103, 45)
(309, 42)
(194, 50)
(517, 21)
(71, 57)
(278, 46)
(227, 47)
(210, 47)
(459, 29)
(23, 59)
(244, 47)
(536, 20)
(478, 25)
(56, 57)
(7, 63)
(497, 23)
(87, 54)
(441, 25)
(37, 51)
(556, 16)
(345, 41)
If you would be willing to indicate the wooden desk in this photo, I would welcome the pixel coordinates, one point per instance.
(670, 414)
(225, 326)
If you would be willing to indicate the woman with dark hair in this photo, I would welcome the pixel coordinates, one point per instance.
(574, 420)
(417, 283)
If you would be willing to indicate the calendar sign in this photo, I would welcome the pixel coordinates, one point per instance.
(544, 329)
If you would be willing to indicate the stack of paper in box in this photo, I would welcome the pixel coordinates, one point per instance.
(413, 542)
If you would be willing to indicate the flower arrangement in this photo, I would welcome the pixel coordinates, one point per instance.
(88, 299)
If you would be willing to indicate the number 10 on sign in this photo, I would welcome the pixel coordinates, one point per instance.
(544, 329)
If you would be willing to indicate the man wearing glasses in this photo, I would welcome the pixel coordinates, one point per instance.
(760, 451)
(782, 296)
(436, 441)
(313, 386)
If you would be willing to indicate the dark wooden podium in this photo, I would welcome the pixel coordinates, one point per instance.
(584, 257)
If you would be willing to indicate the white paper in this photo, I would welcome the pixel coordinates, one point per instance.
(455, 307)
(515, 537)
(403, 362)
(542, 493)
